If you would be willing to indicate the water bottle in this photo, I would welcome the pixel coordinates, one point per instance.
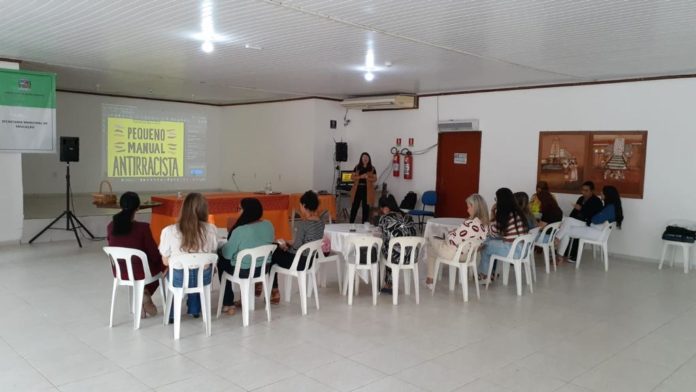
(269, 188)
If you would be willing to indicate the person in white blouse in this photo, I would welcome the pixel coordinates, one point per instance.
(190, 234)
(472, 232)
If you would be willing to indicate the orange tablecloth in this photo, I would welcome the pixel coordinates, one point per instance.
(326, 202)
(223, 206)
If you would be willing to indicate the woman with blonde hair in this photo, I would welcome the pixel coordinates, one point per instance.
(190, 234)
(472, 232)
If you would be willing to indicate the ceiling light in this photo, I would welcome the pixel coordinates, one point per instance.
(369, 76)
(250, 46)
(207, 47)
(370, 59)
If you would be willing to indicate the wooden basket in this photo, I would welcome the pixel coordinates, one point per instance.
(101, 198)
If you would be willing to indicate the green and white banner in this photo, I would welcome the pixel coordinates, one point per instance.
(27, 111)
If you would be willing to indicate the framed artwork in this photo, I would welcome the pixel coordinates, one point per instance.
(567, 159)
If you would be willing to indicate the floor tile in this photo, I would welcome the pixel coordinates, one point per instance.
(345, 375)
(619, 374)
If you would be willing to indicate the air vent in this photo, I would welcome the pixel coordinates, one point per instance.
(458, 125)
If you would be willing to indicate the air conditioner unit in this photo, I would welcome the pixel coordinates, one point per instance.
(381, 102)
(458, 125)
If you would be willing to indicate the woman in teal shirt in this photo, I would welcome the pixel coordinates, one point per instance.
(249, 232)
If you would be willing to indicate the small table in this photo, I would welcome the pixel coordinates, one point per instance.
(340, 233)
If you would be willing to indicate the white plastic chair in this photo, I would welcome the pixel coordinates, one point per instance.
(371, 265)
(463, 267)
(525, 243)
(601, 242)
(186, 263)
(310, 251)
(545, 241)
(246, 285)
(415, 244)
(685, 246)
(136, 287)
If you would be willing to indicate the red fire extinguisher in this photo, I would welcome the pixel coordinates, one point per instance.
(396, 161)
(408, 165)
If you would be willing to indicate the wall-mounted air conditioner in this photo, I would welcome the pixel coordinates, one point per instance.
(457, 125)
(381, 102)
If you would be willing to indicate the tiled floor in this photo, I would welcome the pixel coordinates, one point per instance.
(630, 329)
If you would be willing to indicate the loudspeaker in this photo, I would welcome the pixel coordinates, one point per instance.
(341, 151)
(69, 149)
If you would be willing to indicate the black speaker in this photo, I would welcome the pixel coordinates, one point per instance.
(341, 151)
(69, 149)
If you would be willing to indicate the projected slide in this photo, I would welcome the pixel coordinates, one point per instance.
(140, 148)
(148, 145)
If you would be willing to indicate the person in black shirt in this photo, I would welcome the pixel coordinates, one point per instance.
(587, 206)
(363, 191)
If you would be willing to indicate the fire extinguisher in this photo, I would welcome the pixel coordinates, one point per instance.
(408, 165)
(396, 161)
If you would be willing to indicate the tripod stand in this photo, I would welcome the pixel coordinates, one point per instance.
(70, 218)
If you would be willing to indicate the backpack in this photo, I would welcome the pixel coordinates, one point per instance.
(680, 234)
(409, 201)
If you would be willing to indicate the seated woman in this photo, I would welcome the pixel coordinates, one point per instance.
(190, 234)
(393, 223)
(548, 207)
(472, 232)
(508, 223)
(309, 228)
(534, 202)
(126, 232)
(591, 230)
(522, 199)
(248, 232)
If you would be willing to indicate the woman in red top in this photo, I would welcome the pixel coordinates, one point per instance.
(126, 232)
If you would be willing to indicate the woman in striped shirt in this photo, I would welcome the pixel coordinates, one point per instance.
(509, 222)
(310, 228)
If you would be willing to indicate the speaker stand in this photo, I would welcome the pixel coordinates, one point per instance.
(71, 221)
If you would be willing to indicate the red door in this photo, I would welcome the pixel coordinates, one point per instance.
(458, 164)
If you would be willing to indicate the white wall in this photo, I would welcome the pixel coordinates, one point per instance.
(81, 115)
(11, 197)
(511, 122)
(287, 143)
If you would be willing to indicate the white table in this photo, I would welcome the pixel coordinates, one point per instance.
(340, 233)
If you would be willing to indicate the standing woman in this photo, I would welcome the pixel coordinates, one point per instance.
(126, 232)
(190, 234)
(363, 191)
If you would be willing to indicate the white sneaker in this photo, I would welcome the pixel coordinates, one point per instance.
(429, 286)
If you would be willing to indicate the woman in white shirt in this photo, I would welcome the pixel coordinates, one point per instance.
(191, 234)
(472, 233)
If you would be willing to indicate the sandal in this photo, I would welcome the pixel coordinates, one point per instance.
(275, 297)
(229, 310)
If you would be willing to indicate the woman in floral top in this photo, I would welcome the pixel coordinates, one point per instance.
(393, 223)
(472, 233)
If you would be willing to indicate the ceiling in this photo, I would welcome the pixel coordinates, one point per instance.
(318, 47)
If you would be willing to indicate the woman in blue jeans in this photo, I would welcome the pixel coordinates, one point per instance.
(190, 234)
(508, 223)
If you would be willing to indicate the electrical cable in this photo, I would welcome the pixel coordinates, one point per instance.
(234, 181)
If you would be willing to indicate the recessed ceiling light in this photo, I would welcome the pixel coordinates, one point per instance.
(250, 46)
(207, 47)
(369, 76)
